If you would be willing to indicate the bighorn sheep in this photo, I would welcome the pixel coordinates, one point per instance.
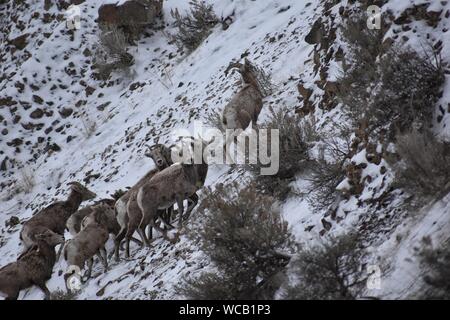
(107, 205)
(54, 217)
(126, 207)
(33, 267)
(88, 242)
(172, 185)
(247, 104)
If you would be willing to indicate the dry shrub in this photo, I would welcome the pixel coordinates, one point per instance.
(244, 235)
(213, 120)
(293, 153)
(332, 271)
(195, 26)
(424, 169)
(436, 266)
(112, 54)
(27, 181)
(387, 86)
(327, 172)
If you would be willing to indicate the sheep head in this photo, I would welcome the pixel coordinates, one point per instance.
(85, 192)
(50, 237)
(160, 154)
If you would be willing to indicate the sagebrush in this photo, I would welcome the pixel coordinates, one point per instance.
(195, 26)
(328, 169)
(293, 153)
(424, 166)
(111, 54)
(435, 262)
(387, 87)
(246, 238)
(331, 271)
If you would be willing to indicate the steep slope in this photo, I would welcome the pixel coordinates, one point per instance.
(64, 125)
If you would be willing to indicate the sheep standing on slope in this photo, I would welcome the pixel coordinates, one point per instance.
(55, 216)
(33, 267)
(88, 242)
(128, 213)
(246, 105)
(172, 185)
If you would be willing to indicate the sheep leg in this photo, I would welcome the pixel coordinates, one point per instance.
(117, 240)
(13, 297)
(163, 218)
(193, 200)
(41, 285)
(157, 228)
(141, 231)
(169, 213)
(58, 255)
(226, 146)
(88, 273)
(181, 211)
(150, 233)
(101, 254)
(12, 294)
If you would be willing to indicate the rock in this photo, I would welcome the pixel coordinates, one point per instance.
(326, 225)
(3, 166)
(7, 101)
(5, 132)
(103, 106)
(13, 221)
(316, 33)
(16, 119)
(20, 42)
(66, 112)
(129, 13)
(87, 52)
(20, 86)
(89, 90)
(37, 114)
(52, 148)
(15, 142)
(48, 4)
(38, 99)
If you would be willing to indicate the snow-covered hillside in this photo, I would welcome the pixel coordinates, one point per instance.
(64, 125)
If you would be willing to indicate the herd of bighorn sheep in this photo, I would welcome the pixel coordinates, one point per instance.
(147, 204)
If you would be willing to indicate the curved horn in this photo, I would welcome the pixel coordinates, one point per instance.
(74, 183)
(233, 65)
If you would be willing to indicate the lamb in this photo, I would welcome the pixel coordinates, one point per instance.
(33, 267)
(107, 205)
(55, 216)
(246, 105)
(172, 185)
(88, 242)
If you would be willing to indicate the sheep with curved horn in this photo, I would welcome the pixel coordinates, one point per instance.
(246, 105)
